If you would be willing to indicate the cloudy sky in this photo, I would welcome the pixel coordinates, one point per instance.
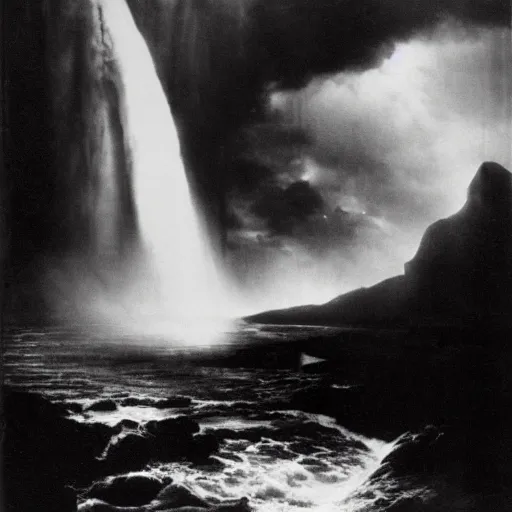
(321, 137)
(383, 153)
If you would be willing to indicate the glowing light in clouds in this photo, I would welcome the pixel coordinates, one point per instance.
(182, 281)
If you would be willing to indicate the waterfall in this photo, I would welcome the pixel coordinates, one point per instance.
(175, 243)
(172, 279)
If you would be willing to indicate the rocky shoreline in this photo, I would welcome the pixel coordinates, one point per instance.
(447, 402)
(52, 462)
(446, 406)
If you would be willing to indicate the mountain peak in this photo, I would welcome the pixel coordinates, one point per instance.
(491, 188)
(461, 274)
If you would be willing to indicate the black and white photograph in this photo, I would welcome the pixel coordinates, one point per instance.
(256, 256)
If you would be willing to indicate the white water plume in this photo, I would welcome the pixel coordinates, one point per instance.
(176, 280)
(325, 480)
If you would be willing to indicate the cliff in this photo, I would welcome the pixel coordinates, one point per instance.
(460, 276)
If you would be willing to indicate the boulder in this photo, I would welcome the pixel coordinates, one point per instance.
(98, 436)
(128, 452)
(241, 505)
(126, 424)
(162, 403)
(209, 464)
(135, 402)
(102, 406)
(127, 490)
(180, 426)
(203, 445)
(173, 402)
(74, 407)
(176, 495)
(95, 505)
(44, 452)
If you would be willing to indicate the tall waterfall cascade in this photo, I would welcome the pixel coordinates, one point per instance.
(180, 280)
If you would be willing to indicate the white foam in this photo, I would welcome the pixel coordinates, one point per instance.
(275, 479)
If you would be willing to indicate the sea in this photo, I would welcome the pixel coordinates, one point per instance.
(303, 461)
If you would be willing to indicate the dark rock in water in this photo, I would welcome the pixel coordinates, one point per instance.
(237, 505)
(170, 449)
(130, 490)
(253, 434)
(210, 464)
(102, 406)
(444, 451)
(309, 399)
(412, 455)
(126, 424)
(44, 452)
(120, 394)
(174, 496)
(128, 452)
(172, 438)
(100, 435)
(95, 505)
(163, 403)
(179, 427)
(421, 453)
(134, 402)
(203, 445)
(241, 505)
(470, 465)
(173, 402)
(74, 407)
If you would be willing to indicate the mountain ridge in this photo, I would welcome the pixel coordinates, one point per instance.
(461, 274)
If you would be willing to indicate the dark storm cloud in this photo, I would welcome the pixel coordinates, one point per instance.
(284, 209)
(407, 137)
(218, 59)
(262, 152)
(301, 38)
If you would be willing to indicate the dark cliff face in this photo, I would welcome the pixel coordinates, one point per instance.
(64, 117)
(463, 267)
(461, 275)
(28, 189)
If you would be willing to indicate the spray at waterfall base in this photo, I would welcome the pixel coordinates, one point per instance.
(167, 276)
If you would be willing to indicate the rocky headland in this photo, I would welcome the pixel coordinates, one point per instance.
(459, 279)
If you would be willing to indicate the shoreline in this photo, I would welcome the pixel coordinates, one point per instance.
(445, 406)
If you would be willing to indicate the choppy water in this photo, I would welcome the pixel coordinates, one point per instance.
(302, 462)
